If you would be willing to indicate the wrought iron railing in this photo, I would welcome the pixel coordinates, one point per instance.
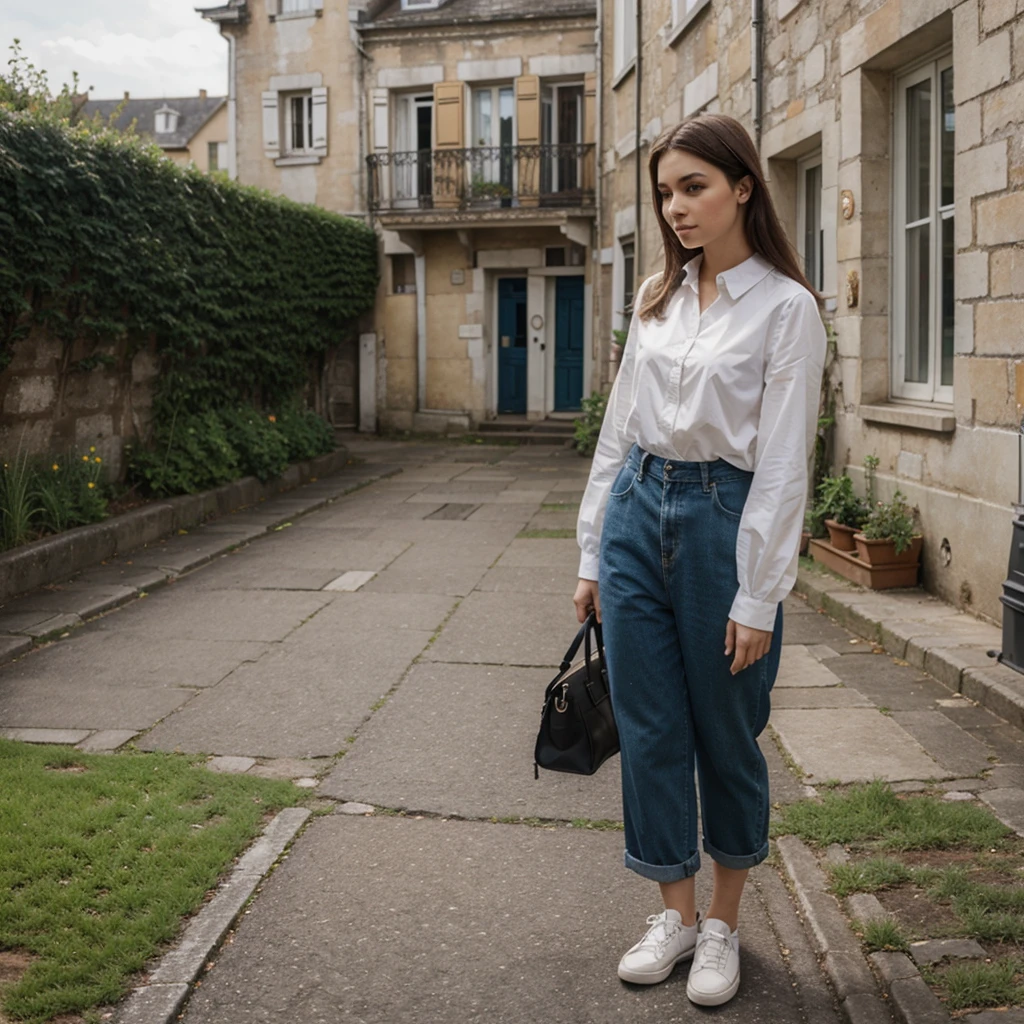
(483, 176)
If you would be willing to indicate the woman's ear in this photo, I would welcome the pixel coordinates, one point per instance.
(744, 188)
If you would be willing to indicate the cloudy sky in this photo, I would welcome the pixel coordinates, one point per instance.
(147, 47)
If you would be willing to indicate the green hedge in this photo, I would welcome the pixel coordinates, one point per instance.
(105, 240)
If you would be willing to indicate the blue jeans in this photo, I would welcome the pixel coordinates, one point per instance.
(667, 582)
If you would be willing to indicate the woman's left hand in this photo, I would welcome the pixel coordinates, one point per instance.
(748, 644)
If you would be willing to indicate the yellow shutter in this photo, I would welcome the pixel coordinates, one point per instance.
(589, 130)
(528, 134)
(449, 123)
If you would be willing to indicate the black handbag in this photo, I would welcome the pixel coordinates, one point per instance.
(577, 728)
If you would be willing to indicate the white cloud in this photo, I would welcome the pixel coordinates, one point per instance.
(157, 48)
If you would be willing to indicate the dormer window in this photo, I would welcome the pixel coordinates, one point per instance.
(166, 121)
(418, 5)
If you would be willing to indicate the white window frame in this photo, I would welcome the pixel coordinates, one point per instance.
(297, 6)
(168, 119)
(621, 314)
(932, 390)
(803, 166)
(420, 5)
(288, 117)
(624, 29)
(681, 9)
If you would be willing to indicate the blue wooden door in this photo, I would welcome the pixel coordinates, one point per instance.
(568, 342)
(512, 344)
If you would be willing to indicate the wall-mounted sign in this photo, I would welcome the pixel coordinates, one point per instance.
(536, 321)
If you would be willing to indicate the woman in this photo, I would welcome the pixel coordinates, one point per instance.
(689, 530)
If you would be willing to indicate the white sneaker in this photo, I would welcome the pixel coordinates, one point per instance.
(715, 974)
(667, 942)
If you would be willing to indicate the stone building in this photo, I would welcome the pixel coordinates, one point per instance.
(891, 132)
(465, 131)
(191, 130)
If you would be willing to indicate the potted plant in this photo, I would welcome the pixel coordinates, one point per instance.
(887, 536)
(840, 510)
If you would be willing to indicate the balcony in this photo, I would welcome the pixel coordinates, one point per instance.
(524, 182)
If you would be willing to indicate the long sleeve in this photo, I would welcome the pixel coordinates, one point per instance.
(768, 544)
(612, 448)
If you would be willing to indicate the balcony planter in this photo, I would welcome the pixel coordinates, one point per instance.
(883, 552)
(840, 536)
(852, 567)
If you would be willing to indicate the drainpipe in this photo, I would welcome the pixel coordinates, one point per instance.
(597, 268)
(756, 66)
(638, 249)
(232, 109)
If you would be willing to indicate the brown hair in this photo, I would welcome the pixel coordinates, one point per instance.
(722, 141)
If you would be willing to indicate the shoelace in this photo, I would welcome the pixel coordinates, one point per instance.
(714, 950)
(655, 939)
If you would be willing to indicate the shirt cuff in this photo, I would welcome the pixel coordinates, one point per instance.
(589, 565)
(748, 611)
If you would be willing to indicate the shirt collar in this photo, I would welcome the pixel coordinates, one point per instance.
(737, 280)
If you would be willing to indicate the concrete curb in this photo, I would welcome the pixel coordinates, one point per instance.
(909, 997)
(83, 548)
(55, 558)
(163, 998)
(931, 635)
(844, 963)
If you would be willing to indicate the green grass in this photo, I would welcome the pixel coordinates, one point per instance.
(868, 876)
(111, 852)
(560, 506)
(981, 984)
(884, 935)
(873, 813)
(538, 534)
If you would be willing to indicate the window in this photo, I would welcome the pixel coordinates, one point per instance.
(922, 309)
(808, 215)
(411, 5)
(166, 121)
(298, 123)
(217, 156)
(628, 273)
(296, 6)
(403, 274)
(492, 141)
(625, 33)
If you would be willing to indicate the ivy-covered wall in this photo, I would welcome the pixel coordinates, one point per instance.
(130, 288)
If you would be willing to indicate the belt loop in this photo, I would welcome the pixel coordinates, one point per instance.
(643, 466)
(705, 476)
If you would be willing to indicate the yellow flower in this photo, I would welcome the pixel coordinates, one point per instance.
(55, 467)
(92, 448)
(273, 419)
(97, 459)
(91, 485)
(85, 458)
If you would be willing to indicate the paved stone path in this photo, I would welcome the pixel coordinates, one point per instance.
(395, 644)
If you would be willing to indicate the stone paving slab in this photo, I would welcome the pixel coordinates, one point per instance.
(106, 740)
(523, 580)
(236, 570)
(38, 624)
(957, 751)
(818, 697)
(502, 513)
(90, 704)
(210, 615)
(805, 629)
(67, 737)
(14, 646)
(454, 582)
(467, 734)
(541, 553)
(502, 629)
(298, 701)
(452, 555)
(132, 660)
(830, 744)
(391, 921)
(312, 550)
(181, 553)
(351, 616)
(124, 573)
(897, 687)
(799, 668)
(82, 599)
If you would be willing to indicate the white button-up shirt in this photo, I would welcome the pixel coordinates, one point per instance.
(739, 382)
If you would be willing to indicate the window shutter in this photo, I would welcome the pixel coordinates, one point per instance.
(271, 126)
(589, 160)
(273, 8)
(528, 135)
(320, 120)
(380, 175)
(449, 125)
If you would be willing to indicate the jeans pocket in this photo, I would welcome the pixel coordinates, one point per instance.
(623, 483)
(735, 494)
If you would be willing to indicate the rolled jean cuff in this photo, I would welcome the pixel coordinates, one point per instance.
(734, 863)
(663, 872)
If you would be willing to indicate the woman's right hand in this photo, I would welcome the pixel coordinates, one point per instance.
(586, 600)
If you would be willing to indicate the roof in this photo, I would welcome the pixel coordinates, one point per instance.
(193, 111)
(389, 13)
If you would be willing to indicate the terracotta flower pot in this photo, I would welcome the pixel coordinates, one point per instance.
(839, 536)
(883, 552)
(805, 542)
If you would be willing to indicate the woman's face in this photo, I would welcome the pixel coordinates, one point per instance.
(698, 202)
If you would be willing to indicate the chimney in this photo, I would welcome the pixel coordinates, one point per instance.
(202, 94)
(126, 94)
